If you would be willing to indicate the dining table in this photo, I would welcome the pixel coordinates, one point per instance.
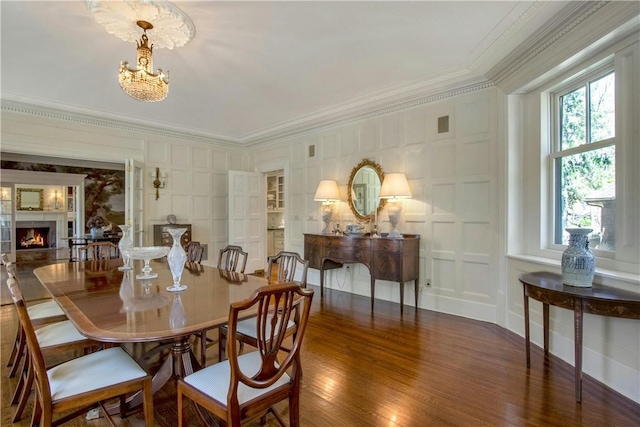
(112, 306)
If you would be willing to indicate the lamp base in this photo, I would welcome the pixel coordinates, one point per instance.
(394, 209)
(327, 213)
(395, 234)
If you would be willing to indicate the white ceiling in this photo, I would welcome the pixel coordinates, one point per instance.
(260, 68)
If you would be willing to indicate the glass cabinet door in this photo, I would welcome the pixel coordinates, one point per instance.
(280, 196)
(6, 221)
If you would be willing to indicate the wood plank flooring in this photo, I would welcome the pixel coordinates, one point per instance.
(425, 369)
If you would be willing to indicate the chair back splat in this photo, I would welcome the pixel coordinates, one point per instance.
(256, 380)
(232, 258)
(288, 264)
(194, 251)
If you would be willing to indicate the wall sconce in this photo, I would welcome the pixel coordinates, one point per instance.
(327, 193)
(395, 188)
(158, 181)
(56, 201)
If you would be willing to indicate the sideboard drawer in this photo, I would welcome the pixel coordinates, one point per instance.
(347, 254)
(348, 242)
(387, 245)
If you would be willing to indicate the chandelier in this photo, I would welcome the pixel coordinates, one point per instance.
(140, 83)
(168, 27)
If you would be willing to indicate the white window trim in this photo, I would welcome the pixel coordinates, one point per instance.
(626, 258)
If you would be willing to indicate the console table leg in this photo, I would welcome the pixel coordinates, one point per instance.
(577, 325)
(321, 283)
(527, 343)
(416, 289)
(373, 291)
(545, 324)
(401, 298)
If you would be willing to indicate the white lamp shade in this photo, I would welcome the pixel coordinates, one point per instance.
(327, 191)
(395, 186)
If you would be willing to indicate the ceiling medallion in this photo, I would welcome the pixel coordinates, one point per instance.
(148, 23)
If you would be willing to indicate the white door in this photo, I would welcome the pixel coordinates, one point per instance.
(134, 206)
(248, 216)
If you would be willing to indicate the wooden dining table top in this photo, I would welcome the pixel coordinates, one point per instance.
(109, 305)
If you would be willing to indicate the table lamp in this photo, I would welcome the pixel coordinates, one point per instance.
(327, 193)
(395, 188)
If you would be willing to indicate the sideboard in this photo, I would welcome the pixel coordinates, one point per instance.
(395, 260)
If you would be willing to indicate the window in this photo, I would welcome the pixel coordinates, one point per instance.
(583, 159)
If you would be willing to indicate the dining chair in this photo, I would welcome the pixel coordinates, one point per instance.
(54, 338)
(247, 385)
(98, 251)
(79, 384)
(232, 258)
(289, 265)
(194, 252)
(97, 254)
(40, 314)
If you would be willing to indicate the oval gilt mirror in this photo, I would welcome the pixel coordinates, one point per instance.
(364, 188)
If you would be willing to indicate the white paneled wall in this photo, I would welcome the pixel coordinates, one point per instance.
(196, 182)
(453, 178)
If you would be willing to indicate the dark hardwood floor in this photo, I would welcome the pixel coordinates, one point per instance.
(425, 369)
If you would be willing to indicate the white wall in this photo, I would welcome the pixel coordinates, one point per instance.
(196, 183)
(454, 181)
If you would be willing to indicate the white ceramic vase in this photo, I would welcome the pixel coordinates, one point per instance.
(578, 264)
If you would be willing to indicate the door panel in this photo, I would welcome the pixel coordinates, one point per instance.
(134, 206)
(247, 216)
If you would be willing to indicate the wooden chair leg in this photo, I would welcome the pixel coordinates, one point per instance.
(147, 402)
(222, 344)
(203, 348)
(294, 410)
(180, 408)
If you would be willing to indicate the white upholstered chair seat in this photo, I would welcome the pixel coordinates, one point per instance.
(248, 327)
(44, 309)
(91, 372)
(58, 333)
(214, 380)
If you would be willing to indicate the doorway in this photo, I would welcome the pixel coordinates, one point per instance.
(275, 212)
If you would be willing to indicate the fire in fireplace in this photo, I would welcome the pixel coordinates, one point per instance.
(31, 238)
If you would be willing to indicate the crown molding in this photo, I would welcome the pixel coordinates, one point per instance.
(41, 108)
(581, 25)
(342, 116)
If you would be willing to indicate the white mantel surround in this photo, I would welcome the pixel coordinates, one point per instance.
(46, 180)
(60, 218)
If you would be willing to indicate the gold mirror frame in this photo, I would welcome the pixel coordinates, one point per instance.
(378, 170)
(29, 199)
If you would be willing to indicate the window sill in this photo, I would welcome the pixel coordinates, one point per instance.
(622, 276)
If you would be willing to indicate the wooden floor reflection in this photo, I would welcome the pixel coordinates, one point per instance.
(424, 369)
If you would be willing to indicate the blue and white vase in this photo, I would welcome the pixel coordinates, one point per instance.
(578, 264)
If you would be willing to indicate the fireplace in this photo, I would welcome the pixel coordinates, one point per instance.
(32, 238)
(35, 235)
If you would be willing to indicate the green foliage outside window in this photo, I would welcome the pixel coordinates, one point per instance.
(585, 162)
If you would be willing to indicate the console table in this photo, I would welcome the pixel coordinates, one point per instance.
(602, 300)
(396, 260)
